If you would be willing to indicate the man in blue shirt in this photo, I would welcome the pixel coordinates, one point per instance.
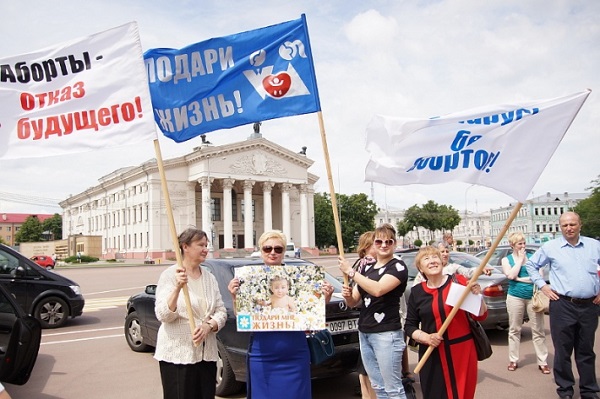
(574, 293)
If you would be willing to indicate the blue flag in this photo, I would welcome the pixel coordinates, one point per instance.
(234, 80)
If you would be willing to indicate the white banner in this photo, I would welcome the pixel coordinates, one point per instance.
(505, 147)
(79, 96)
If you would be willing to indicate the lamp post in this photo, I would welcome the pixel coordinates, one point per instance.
(467, 230)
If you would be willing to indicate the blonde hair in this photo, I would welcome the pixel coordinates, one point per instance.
(423, 252)
(272, 234)
(364, 243)
(515, 237)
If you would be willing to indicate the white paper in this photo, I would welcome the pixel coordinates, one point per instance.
(472, 302)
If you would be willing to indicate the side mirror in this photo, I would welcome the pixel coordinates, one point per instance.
(19, 271)
(151, 289)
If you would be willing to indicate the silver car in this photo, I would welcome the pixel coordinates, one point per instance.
(494, 287)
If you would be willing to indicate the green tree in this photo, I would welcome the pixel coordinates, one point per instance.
(402, 229)
(432, 216)
(356, 213)
(589, 211)
(30, 231)
(324, 225)
(54, 226)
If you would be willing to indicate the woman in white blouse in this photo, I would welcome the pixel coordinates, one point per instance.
(188, 362)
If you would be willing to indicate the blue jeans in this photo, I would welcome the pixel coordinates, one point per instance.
(382, 357)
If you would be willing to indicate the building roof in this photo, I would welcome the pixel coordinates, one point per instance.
(20, 217)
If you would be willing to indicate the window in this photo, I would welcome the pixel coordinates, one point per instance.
(234, 217)
(215, 208)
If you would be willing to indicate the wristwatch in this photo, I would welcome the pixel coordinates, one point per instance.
(351, 273)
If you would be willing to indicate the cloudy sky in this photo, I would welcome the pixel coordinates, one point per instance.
(394, 57)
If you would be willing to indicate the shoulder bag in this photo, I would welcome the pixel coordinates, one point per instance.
(539, 302)
(480, 338)
(482, 342)
(320, 345)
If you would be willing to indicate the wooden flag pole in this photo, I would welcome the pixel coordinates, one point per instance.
(165, 190)
(336, 216)
(473, 280)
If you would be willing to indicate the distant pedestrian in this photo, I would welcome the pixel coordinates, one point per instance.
(78, 257)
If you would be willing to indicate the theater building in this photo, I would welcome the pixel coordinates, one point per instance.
(234, 192)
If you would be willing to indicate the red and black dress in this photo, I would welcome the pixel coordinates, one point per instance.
(450, 372)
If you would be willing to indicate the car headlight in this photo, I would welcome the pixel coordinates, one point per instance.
(75, 289)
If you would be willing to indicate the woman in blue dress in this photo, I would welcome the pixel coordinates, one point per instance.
(278, 361)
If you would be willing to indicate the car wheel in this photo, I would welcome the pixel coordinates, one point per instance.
(226, 382)
(133, 333)
(49, 267)
(52, 312)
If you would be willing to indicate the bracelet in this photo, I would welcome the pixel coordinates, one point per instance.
(209, 325)
(351, 273)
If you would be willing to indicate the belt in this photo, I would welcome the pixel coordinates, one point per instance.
(578, 301)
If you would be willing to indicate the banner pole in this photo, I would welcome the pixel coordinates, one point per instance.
(173, 231)
(473, 280)
(334, 206)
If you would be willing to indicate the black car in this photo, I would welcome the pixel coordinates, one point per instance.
(493, 287)
(48, 296)
(141, 328)
(20, 336)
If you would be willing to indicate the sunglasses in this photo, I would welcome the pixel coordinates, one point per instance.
(268, 248)
(388, 243)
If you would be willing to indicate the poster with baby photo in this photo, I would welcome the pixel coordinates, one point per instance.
(280, 298)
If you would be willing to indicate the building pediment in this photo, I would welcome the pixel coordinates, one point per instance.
(255, 159)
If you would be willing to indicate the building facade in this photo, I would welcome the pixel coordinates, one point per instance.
(10, 224)
(538, 217)
(233, 192)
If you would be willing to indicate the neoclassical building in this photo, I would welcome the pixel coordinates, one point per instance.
(234, 192)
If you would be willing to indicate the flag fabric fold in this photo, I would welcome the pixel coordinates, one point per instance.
(233, 80)
(87, 94)
(504, 147)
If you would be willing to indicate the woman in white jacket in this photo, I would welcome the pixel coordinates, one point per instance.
(188, 361)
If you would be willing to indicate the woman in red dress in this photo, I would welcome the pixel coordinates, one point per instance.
(451, 370)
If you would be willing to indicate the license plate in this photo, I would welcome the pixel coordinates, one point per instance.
(342, 326)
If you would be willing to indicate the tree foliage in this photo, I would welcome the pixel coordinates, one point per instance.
(589, 211)
(30, 231)
(54, 226)
(356, 212)
(432, 217)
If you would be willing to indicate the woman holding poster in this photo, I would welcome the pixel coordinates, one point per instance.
(188, 362)
(380, 287)
(278, 361)
(451, 370)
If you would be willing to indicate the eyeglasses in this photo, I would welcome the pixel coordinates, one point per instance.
(388, 243)
(268, 248)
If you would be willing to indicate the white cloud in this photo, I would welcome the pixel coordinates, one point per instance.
(416, 59)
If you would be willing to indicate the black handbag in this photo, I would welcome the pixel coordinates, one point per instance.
(320, 345)
(482, 342)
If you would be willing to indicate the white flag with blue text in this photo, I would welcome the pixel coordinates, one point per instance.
(504, 147)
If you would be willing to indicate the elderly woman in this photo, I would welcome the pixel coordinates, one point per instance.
(380, 286)
(451, 370)
(188, 360)
(278, 361)
(518, 302)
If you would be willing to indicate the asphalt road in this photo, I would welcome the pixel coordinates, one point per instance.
(89, 358)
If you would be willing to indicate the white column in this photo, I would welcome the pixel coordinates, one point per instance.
(267, 205)
(227, 215)
(206, 216)
(285, 209)
(248, 222)
(304, 237)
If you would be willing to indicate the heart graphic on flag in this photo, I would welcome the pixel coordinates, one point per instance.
(277, 85)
